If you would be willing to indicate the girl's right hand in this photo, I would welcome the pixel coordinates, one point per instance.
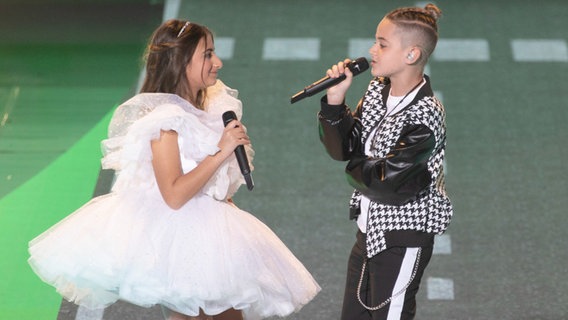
(336, 94)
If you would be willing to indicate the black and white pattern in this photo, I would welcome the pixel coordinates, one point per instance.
(431, 211)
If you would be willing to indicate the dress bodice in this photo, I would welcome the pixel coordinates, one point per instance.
(140, 119)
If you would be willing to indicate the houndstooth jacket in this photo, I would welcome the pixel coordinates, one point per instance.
(403, 176)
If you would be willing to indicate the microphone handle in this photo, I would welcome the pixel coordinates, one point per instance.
(240, 153)
(316, 87)
(322, 84)
(242, 160)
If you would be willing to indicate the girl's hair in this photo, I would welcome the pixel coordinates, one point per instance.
(168, 53)
(420, 24)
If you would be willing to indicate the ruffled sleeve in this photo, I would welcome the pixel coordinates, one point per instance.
(228, 178)
(131, 155)
(139, 121)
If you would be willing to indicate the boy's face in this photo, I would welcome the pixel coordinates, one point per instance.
(387, 54)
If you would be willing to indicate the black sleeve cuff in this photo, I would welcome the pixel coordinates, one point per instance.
(331, 112)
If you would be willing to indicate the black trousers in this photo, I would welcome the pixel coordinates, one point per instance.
(386, 275)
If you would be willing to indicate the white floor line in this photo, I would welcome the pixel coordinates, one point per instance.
(462, 50)
(9, 105)
(225, 47)
(443, 244)
(359, 47)
(539, 50)
(291, 49)
(88, 314)
(171, 9)
(440, 289)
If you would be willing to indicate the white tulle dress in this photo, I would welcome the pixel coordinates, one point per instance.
(130, 245)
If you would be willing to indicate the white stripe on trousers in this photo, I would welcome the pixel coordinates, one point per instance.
(406, 269)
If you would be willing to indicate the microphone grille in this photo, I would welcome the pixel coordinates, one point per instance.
(358, 65)
(228, 116)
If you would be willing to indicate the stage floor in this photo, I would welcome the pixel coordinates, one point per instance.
(500, 70)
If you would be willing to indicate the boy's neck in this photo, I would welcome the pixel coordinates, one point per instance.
(402, 84)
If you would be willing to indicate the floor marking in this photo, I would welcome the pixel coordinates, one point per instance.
(291, 49)
(443, 244)
(539, 50)
(359, 47)
(422, 4)
(171, 9)
(225, 47)
(88, 314)
(9, 105)
(438, 94)
(440, 289)
(462, 50)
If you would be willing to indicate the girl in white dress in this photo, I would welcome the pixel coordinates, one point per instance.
(168, 233)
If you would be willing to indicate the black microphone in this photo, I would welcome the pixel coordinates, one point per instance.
(240, 153)
(356, 66)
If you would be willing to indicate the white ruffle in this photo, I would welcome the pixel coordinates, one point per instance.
(140, 120)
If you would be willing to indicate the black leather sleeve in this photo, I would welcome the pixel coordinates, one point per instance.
(401, 175)
(339, 131)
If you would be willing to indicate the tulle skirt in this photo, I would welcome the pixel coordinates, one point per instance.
(208, 255)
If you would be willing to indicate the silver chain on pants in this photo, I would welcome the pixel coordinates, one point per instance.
(384, 303)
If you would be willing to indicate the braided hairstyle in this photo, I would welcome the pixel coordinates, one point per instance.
(419, 27)
(168, 53)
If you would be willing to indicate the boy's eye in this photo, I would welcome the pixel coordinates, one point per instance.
(379, 44)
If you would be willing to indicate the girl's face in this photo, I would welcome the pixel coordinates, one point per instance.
(387, 54)
(202, 70)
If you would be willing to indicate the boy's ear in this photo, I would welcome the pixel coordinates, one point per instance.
(413, 55)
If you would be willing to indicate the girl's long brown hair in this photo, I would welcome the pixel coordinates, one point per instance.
(168, 53)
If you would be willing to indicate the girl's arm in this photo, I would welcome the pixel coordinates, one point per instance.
(176, 187)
